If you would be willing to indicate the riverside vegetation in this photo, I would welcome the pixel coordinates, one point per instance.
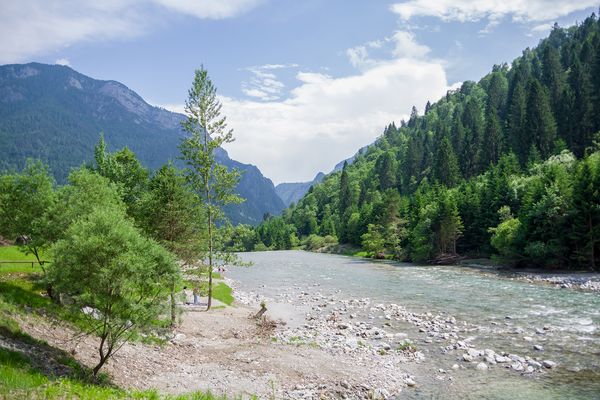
(121, 241)
(505, 167)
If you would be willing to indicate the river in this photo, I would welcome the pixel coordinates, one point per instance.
(507, 314)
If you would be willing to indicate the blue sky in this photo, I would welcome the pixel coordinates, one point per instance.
(304, 83)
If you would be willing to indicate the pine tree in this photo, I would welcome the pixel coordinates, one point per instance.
(446, 168)
(519, 141)
(345, 196)
(539, 121)
(553, 78)
(385, 167)
(471, 151)
(582, 110)
(586, 216)
(493, 139)
(207, 131)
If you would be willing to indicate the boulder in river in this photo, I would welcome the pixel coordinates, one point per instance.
(481, 366)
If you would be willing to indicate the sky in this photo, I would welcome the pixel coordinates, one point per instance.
(304, 83)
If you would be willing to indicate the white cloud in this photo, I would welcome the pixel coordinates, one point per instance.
(358, 56)
(492, 10)
(326, 119)
(402, 44)
(263, 83)
(32, 27)
(63, 61)
(542, 28)
(213, 9)
(407, 47)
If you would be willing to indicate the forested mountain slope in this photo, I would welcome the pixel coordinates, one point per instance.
(468, 177)
(56, 114)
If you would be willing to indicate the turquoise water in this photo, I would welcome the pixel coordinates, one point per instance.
(495, 305)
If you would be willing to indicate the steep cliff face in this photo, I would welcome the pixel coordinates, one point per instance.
(56, 114)
(292, 192)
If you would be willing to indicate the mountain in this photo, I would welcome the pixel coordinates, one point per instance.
(54, 113)
(292, 192)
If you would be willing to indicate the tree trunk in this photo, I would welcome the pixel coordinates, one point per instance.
(593, 250)
(103, 357)
(173, 307)
(210, 233)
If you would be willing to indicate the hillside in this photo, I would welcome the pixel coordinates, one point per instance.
(55, 114)
(292, 192)
(468, 177)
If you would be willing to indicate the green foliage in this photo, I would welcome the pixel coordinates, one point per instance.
(223, 293)
(373, 241)
(124, 170)
(506, 237)
(24, 201)
(316, 242)
(208, 131)
(106, 267)
(433, 186)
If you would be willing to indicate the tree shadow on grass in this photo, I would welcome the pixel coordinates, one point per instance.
(21, 350)
(23, 296)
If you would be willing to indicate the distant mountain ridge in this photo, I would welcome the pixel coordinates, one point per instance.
(292, 192)
(55, 113)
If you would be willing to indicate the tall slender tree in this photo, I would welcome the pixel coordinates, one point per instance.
(539, 122)
(208, 131)
(446, 168)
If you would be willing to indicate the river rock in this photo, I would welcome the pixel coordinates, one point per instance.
(467, 357)
(517, 358)
(501, 359)
(517, 366)
(385, 346)
(381, 394)
(535, 364)
(474, 353)
(490, 360)
(548, 364)
(410, 382)
(352, 343)
(538, 347)
(481, 366)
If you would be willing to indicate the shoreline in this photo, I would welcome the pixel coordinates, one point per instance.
(566, 279)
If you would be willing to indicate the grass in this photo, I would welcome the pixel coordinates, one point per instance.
(221, 291)
(14, 253)
(21, 379)
(407, 346)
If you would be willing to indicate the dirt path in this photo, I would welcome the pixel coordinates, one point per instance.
(222, 351)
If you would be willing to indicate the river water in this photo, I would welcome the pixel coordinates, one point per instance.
(506, 313)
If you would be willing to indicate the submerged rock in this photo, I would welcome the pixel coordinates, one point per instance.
(481, 366)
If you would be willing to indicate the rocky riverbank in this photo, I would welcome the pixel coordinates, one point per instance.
(368, 334)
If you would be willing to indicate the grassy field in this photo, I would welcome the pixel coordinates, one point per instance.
(14, 253)
(223, 293)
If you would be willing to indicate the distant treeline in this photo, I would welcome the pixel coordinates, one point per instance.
(506, 167)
